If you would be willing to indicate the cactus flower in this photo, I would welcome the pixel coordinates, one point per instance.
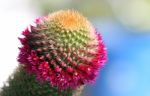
(62, 48)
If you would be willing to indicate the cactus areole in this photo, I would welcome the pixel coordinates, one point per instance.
(62, 48)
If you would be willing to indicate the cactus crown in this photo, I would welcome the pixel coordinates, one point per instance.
(64, 49)
(69, 20)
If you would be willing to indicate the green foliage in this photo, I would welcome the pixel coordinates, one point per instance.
(24, 84)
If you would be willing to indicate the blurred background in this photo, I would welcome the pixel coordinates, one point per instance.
(124, 25)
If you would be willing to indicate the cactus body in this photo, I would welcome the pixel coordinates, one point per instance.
(63, 49)
(24, 84)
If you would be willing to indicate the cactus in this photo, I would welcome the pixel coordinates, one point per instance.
(63, 50)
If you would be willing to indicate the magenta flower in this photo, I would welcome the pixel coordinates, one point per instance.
(63, 49)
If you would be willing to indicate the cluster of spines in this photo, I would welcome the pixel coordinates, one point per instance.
(66, 57)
